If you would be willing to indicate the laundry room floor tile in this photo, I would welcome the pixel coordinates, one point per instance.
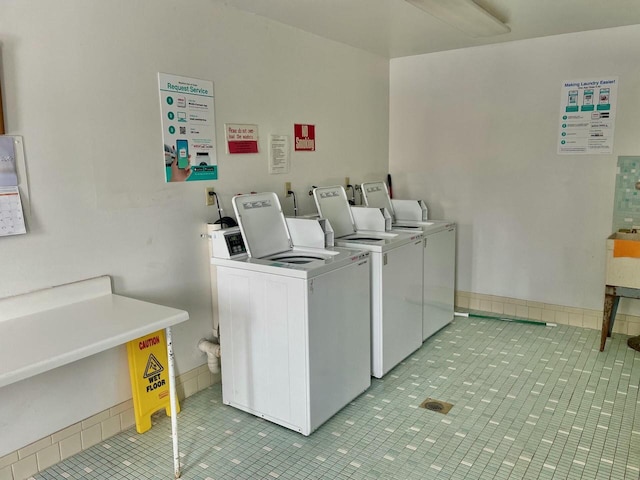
(529, 402)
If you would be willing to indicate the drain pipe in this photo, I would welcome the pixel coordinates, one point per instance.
(213, 354)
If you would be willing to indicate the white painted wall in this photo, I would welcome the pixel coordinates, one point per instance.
(79, 83)
(474, 133)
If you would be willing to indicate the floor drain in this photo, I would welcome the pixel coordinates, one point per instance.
(436, 406)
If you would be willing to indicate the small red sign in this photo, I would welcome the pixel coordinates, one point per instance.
(242, 138)
(305, 137)
(247, 146)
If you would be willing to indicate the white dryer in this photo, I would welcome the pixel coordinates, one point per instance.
(294, 322)
(396, 280)
(439, 254)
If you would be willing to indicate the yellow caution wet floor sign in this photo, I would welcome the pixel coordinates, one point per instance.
(148, 368)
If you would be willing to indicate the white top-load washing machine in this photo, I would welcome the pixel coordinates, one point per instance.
(439, 253)
(396, 280)
(294, 322)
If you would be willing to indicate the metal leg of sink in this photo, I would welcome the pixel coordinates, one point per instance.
(614, 311)
(607, 321)
(612, 296)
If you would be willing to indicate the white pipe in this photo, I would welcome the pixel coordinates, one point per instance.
(172, 403)
(213, 354)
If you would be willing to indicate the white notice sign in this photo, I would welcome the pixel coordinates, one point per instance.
(587, 116)
(279, 156)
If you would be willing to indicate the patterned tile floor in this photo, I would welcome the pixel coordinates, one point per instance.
(530, 402)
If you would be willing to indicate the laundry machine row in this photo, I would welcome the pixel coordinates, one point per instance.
(302, 329)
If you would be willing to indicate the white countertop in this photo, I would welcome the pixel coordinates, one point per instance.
(32, 343)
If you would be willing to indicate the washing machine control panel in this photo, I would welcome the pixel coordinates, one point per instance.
(235, 244)
(227, 243)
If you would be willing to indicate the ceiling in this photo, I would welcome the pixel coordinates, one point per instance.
(395, 28)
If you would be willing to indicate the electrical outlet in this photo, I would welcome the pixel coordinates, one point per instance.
(346, 181)
(287, 189)
(210, 198)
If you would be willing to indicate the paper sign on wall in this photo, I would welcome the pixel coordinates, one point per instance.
(305, 137)
(8, 172)
(241, 138)
(188, 128)
(279, 158)
(587, 116)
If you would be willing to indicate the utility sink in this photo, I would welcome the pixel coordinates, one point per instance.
(623, 260)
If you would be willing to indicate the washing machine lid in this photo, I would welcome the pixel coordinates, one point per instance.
(427, 226)
(262, 223)
(333, 205)
(376, 195)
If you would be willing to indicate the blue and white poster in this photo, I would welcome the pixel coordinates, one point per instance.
(587, 116)
(188, 128)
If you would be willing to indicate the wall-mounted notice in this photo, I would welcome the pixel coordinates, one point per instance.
(8, 172)
(587, 116)
(241, 138)
(305, 137)
(279, 157)
(188, 128)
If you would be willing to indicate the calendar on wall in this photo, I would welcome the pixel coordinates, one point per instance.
(11, 215)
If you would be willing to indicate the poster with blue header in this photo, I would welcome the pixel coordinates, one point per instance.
(587, 116)
(188, 128)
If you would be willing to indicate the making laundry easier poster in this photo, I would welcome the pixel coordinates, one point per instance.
(188, 128)
(587, 116)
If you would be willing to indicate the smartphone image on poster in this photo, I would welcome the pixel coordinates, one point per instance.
(182, 147)
(588, 97)
(604, 96)
(573, 97)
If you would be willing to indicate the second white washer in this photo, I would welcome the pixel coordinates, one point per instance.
(396, 280)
